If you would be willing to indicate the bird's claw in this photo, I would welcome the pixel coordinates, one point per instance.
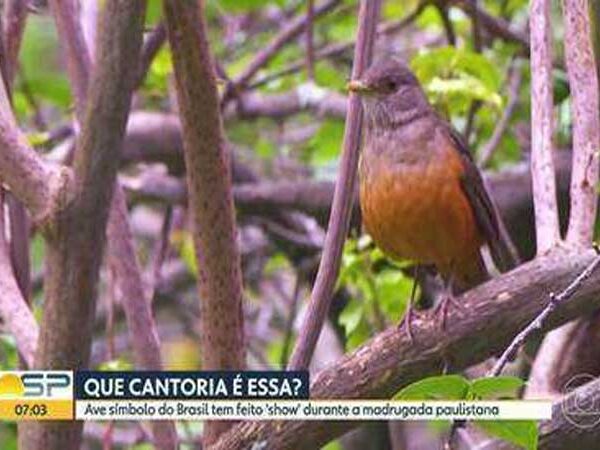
(443, 306)
(407, 320)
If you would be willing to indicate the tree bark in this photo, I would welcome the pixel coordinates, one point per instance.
(210, 198)
(75, 238)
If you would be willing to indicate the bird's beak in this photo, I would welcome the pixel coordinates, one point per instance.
(358, 86)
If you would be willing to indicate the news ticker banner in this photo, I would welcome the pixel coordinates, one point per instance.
(247, 395)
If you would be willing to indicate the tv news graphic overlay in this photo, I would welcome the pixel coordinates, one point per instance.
(182, 385)
(36, 395)
(159, 395)
(266, 395)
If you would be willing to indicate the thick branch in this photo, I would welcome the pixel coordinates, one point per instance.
(121, 252)
(27, 176)
(583, 82)
(210, 198)
(493, 313)
(580, 430)
(542, 166)
(76, 240)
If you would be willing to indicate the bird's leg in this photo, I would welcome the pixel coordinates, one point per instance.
(409, 314)
(448, 299)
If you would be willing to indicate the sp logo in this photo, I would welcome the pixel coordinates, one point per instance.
(36, 384)
(43, 384)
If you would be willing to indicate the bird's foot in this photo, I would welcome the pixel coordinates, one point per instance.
(440, 311)
(407, 320)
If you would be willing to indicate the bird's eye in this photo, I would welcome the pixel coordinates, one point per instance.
(390, 85)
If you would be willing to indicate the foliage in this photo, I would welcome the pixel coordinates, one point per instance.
(378, 295)
(523, 433)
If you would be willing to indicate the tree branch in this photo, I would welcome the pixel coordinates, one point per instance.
(136, 304)
(14, 311)
(79, 62)
(542, 165)
(579, 430)
(13, 20)
(76, 238)
(493, 313)
(583, 82)
(27, 176)
(514, 84)
(287, 34)
(210, 199)
(538, 322)
(339, 220)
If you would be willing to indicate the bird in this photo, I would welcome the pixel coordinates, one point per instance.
(422, 197)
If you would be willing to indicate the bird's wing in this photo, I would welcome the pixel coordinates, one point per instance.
(486, 216)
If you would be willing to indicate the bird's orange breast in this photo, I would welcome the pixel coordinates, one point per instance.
(419, 211)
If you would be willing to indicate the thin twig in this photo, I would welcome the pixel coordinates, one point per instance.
(343, 197)
(442, 8)
(13, 26)
(287, 34)
(150, 49)
(537, 323)
(337, 49)
(514, 84)
(289, 325)
(79, 61)
(310, 43)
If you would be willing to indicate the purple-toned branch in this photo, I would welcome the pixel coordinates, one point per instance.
(343, 197)
(310, 42)
(14, 311)
(150, 49)
(141, 327)
(514, 84)
(75, 238)
(583, 82)
(27, 176)
(121, 253)
(333, 50)
(78, 58)
(209, 191)
(287, 34)
(13, 20)
(542, 128)
(538, 323)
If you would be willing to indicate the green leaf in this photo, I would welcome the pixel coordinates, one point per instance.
(351, 316)
(496, 387)
(443, 387)
(468, 87)
(326, 143)
(523, 433)
(184, 243)
(393, 293)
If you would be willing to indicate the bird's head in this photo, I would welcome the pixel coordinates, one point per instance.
(390, 93)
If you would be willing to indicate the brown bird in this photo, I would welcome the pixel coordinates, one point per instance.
(421, 195)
